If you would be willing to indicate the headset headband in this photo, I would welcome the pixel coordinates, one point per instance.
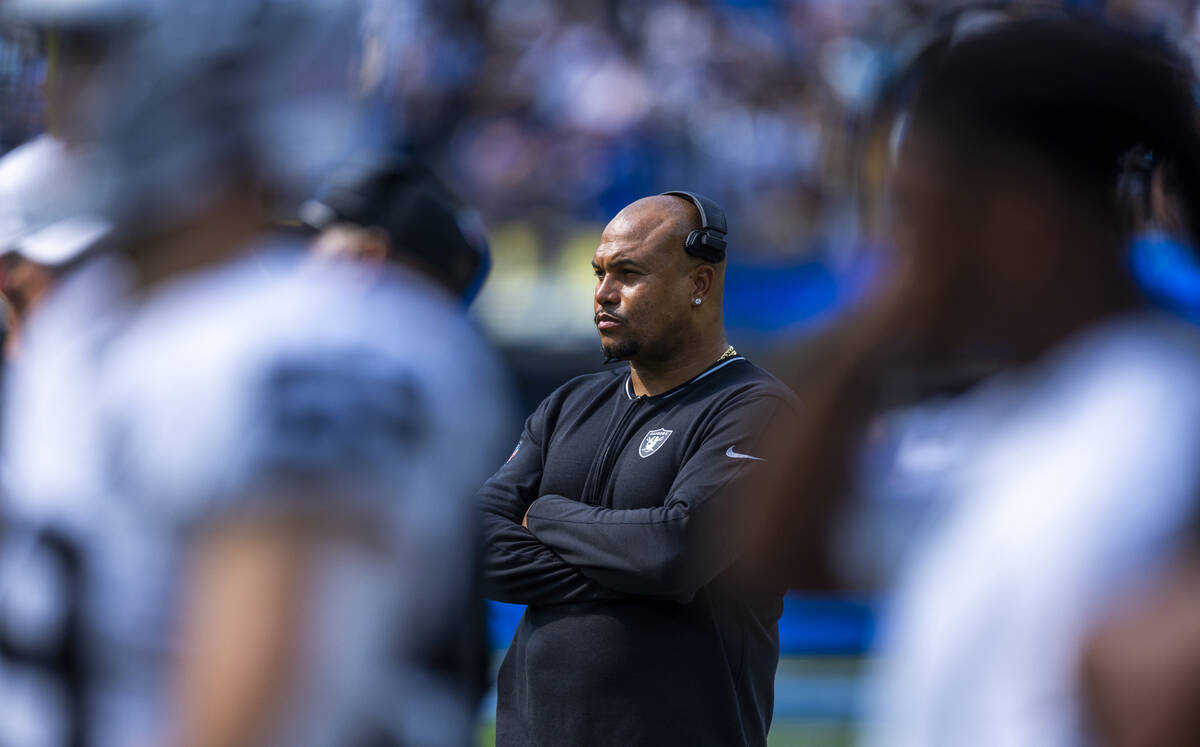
(707, 243)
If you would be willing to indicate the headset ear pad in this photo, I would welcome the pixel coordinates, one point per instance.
(704, 245)
(713, 242)
(708, 241)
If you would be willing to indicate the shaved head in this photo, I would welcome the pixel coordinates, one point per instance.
(652, 297)
(660, 220)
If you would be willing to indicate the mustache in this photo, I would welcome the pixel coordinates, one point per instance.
(602, 315)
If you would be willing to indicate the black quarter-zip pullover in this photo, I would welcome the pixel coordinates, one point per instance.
(633, 634)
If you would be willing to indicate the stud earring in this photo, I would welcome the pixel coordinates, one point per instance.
(696, 301)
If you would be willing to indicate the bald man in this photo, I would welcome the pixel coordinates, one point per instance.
(618, 517)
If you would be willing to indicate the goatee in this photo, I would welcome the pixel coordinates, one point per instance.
(619, 351)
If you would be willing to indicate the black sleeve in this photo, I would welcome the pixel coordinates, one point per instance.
(674, 549)
(518, 568)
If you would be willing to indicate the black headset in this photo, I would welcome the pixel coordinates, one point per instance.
(708, 242)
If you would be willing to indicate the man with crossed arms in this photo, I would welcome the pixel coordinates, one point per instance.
(616, 519)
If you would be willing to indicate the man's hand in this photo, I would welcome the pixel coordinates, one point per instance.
(525, 518)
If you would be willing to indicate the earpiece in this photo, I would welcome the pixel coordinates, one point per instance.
(707, 243)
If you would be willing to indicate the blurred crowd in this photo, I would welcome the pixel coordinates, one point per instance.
(575, 109)
(23, 72)
(554, 113)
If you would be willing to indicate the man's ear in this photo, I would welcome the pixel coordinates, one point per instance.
(702, 276)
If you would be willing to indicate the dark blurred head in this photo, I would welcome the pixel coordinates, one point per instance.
(647, 284)
(395, 209)
(1007, 192)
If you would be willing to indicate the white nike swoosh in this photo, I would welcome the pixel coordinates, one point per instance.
(735, 455)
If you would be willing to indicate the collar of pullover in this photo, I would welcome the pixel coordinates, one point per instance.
(679, 388)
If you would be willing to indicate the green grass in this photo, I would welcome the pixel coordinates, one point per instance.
(811, 735)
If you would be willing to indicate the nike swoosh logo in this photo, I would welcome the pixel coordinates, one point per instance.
(735, 455)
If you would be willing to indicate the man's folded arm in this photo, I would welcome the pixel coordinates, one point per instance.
(674, 549)
(517, 567)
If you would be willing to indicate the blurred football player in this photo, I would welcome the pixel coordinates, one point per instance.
(240, 494)
(1061, 483)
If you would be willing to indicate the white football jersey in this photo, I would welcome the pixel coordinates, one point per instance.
(266, 385)
(1071, 483)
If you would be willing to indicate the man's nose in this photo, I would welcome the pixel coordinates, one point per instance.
(607, 293)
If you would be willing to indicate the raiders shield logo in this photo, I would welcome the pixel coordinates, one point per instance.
(653, 440)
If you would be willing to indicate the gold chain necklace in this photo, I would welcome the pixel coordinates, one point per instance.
(729, 353)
